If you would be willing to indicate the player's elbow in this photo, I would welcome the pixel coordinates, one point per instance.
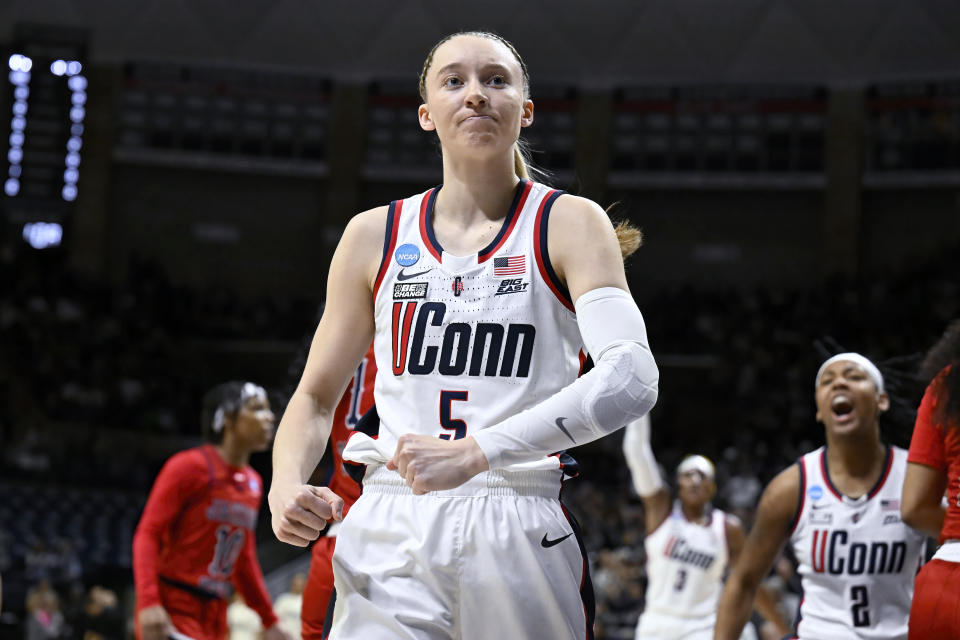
(640, 369)
(630, 388)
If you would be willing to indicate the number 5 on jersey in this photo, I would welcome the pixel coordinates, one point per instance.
(447, 421)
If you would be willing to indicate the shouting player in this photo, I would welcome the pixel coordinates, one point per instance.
(839, 507)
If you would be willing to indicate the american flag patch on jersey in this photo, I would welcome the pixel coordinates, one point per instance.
(890, 505)
(509, 266)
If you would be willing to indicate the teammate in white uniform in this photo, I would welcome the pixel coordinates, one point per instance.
(689, 545)
(839, 507)
(480, 297)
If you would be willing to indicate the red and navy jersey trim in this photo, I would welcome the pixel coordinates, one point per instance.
(519, 199)
(513, 214)
(542, 254)
(389, 242)
(887, 464)
(426, 224)
(801, 498)
(586, 363)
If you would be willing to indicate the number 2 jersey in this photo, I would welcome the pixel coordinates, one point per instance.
(857, 559)
(463, 342)
(196, 533)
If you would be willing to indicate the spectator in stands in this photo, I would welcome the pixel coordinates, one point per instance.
(44, 620)
(243, 621)
(100, 618)
(288, 605)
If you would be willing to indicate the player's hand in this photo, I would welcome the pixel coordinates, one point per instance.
(432, 464)
(300, 512)
(154, 623)
(276, 633)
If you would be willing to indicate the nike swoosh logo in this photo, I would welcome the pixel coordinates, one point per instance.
(819, 506)
(564, 429)
(546, 544)
(406, 276)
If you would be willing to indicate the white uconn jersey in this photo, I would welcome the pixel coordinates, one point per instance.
(464, 342)
(857, 560)
(685, 565)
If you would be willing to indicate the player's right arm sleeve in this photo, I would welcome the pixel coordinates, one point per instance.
(180, 478)
(640, 459)
(622, 387)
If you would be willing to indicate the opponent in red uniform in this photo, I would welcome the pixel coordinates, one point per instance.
(933, 471)
(195, 540)
(356, 401)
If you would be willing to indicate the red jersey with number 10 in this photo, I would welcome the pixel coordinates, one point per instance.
(197, 530)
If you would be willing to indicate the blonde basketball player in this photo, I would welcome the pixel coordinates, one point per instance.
(480, 297)
(839, 507)
(689, 545)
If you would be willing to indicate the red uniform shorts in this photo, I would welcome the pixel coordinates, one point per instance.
(194, 616)
(935, 613)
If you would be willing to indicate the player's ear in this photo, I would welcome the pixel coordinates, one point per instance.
(883, 401)
(526, 115)
(426, 122)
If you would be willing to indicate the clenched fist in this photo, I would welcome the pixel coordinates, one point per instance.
(432, 464)
(300, 512)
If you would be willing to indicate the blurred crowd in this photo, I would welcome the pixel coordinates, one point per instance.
(88, 362)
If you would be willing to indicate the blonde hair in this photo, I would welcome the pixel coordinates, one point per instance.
(629, 237)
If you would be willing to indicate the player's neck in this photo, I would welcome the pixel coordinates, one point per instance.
(475, 189)
(856, 457)
(232, 454)
(696, 515)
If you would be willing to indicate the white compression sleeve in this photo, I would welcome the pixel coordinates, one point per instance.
(621, 387)
(639, 456)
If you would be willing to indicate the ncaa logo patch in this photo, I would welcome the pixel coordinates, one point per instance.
(815, 492)
(407, 255)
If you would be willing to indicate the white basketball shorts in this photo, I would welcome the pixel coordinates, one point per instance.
(495, 558)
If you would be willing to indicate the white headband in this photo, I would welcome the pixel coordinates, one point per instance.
(248, 391)
(697, 463)
(857, 359)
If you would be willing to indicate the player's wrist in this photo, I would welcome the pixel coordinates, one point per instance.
(476, 459)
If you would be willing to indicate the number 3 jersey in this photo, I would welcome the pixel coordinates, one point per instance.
(685, 565)
(463, 342)
(857, 559)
